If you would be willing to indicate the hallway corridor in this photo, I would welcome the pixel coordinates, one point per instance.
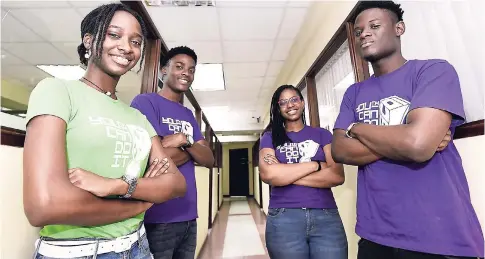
(237, 233)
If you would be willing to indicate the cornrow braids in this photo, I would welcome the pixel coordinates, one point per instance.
(277, 122)
(97, 22)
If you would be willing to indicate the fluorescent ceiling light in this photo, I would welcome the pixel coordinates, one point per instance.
(208, 77)
(6, 109)
(63, 71)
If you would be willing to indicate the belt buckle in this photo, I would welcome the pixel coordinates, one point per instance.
(121, 244)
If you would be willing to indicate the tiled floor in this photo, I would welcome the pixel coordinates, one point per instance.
(237, 232)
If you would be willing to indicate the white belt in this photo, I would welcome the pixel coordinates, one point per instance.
(73, 248)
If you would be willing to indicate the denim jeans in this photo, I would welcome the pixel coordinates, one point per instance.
(305, 233)
(172, 240)
(139, 250)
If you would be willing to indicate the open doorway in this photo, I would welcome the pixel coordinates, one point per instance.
(238, 172)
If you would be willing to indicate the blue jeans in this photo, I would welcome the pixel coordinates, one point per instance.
(172, 240)
(305, 233)
(139, 250)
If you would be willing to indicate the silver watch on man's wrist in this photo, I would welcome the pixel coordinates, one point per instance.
(132, 182)
(190, 141)
(347, 132)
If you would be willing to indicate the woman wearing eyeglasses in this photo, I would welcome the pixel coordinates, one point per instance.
(295, 159)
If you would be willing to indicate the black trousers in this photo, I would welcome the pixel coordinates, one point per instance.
(371, 250)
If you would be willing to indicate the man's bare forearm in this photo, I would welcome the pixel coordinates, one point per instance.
(178, 156)
(394, 142)
(351, 151)
(202, 154)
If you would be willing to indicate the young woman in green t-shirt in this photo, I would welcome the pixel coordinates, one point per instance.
(92, 164)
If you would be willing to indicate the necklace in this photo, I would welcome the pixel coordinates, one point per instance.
(108, 93)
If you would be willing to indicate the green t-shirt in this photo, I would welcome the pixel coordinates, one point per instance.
(103, 136)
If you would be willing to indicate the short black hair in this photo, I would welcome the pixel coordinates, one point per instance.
(97, 22)
(176, 51)
(388, 5)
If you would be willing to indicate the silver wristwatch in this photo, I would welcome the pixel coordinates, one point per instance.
(190, 141)
(347, 132)
(132, 182)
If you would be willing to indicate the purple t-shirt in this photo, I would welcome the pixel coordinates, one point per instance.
(168, 118)
(423, 207)
(307, 145)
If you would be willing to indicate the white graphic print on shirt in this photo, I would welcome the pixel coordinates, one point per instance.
(132, 144)
(178, 126)
(388, 111)
(299, 152)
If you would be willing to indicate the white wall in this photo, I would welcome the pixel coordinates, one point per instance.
(221, 195)
(202, 179)
(346, 198)
(265, 190)
(17, 236)
(256, 185)
(214, 193)
(471, 152)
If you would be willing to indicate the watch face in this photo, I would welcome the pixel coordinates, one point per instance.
(190, 139)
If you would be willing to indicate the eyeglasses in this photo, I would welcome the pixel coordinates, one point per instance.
(292, 100)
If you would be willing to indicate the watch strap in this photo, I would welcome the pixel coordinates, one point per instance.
(132, 182)
(190, 141)
(347, 132)
(319, 166)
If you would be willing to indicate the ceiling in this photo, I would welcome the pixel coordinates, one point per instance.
(251, 39)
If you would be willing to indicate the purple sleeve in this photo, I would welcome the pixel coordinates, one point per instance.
(197, 133)
(266, 141)
(143, 104)
(325, 137)
(346, 115)
(437, 86)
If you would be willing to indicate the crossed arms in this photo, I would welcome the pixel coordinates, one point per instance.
(276, 174)
(425, 133)
(55, 195)
(199, 151)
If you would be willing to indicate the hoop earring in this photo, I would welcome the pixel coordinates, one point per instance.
(88, 54)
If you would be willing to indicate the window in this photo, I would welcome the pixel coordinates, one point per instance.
(304, 92)
(449, 30)
(331, 82)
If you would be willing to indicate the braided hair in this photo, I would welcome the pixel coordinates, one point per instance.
(97, 22)
(277, 121)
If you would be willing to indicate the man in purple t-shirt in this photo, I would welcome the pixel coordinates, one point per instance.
(171, 226)
(413, 199)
